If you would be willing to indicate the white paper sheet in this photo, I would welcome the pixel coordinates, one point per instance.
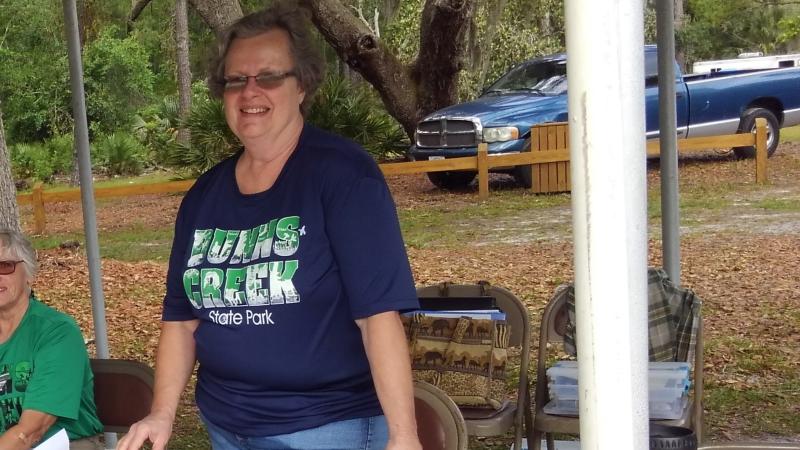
(58, 441)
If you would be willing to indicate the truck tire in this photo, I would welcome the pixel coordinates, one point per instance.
(522, 174)
(458, 179)
(748, 125)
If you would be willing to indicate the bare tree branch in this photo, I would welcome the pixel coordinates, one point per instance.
(218, 14)
(408, 92)
(365, 53)
(137, 9)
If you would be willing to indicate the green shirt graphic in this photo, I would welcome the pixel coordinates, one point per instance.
(44, 367)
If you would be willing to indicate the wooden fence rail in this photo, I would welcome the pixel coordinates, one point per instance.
(549, 161)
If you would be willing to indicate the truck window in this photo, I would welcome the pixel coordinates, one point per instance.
(541, 77)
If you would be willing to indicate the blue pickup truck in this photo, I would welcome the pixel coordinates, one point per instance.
(535, 92)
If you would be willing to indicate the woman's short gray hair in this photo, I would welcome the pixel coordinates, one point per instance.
(288, 16)
(18, 246)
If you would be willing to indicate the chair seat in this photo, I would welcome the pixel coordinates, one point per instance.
(489, 422)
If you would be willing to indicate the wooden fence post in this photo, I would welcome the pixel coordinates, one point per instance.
(761, 150)
(483, 171)
(37, 200)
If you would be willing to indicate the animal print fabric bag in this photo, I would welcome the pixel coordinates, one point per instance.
(465, 357)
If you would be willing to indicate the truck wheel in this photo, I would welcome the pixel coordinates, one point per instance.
(452, 179)
(522, 174)
(748, 125)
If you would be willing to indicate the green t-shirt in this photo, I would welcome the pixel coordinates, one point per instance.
(44, 367)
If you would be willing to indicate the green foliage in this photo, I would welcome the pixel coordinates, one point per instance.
(30, 161)
(788, 28)
(33, 80)
(61, 153)
(725, 28)
(119, 154)
(354, 112)
(118, 80)
(42, 161)
(402, 34)
(503, 34)
(154, 128)
(524, 30)
(211, 141)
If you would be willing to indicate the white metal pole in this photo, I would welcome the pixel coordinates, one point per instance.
(607, 148)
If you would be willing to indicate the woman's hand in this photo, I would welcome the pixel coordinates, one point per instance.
(156, 428)
(174, 363)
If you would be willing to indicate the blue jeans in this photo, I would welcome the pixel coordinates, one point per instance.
(369, 433)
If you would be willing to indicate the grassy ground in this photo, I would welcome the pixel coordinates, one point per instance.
(740, 250)
(791, 134)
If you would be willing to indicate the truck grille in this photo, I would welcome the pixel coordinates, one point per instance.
(444, 133)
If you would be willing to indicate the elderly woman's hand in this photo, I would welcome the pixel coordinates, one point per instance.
(156, 428)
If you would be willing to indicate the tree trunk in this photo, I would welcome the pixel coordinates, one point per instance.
(9, 213)
(680, 54)
(355, 44)
(443, 29)
(218, 14)
(183, 67)
(137, 6)
(493, 17)
(408, 92)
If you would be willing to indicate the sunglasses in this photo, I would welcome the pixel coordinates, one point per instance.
(265, 80)
(8, 267)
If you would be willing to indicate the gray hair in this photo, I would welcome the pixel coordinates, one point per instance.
(285, 15)
(19, 246)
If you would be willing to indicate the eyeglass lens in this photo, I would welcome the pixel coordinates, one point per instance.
(265, 80)
(8, 267)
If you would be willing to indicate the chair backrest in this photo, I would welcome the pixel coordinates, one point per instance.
(552, 331)
(123, 392)
(516, 312)
(440, 425)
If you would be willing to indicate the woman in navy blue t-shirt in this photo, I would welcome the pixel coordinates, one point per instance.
(287, 271)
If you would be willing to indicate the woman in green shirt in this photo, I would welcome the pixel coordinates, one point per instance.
(45, 377)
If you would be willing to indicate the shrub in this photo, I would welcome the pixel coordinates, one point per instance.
(118, 80)
(155, 128)
(119, 154)
(61, 151)
(31, 160)
(352, 111)
(211, 140)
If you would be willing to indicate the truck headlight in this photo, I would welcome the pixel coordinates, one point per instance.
(500, 134)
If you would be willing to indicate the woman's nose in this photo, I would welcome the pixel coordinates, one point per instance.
(250, 87)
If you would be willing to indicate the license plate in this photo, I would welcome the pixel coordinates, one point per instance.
(435, 158)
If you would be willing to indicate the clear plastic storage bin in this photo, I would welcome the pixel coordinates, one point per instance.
(668, 384)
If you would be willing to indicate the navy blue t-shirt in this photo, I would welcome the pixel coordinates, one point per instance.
(277, 280)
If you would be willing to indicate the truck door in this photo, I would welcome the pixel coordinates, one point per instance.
(651, 98)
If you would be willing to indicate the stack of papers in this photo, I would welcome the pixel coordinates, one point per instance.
(491, 314)
(58, 441)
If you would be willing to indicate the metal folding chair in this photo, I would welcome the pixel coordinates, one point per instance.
(123, 392)
(483, 421)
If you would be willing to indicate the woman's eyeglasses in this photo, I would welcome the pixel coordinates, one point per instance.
(265, 80)
(8, 267)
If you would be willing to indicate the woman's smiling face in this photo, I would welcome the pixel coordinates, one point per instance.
(13, 286)
(260, 111)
